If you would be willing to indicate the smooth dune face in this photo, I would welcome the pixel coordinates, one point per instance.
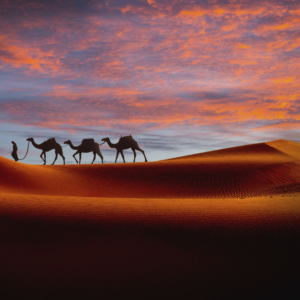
(253, 170)
(174, 229)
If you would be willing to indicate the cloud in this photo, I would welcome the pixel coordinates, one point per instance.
(152, 65)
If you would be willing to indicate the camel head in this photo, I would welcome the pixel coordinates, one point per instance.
(68, 142)
(105, 139)
(29, 139)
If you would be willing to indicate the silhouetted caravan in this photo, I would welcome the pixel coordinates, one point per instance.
(125, 142)
(87, 145)
(46, 146)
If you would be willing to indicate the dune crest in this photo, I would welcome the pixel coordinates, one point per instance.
(245, 171)
(288, 147)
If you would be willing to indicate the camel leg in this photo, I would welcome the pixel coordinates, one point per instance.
(44, 159)
(79, 157)
(94, 157)
(117, 156)
(60, 152)
(63, 158)
(56, 153)
(99, 153)
(123, 156)
(75, 157)
(101, 156)
(144, 156)
(143, 153)
(134, 154)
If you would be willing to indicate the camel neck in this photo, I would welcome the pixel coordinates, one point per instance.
(111, 145)
(36, 145)
(72, 146)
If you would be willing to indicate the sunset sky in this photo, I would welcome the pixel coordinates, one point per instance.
(182, 77)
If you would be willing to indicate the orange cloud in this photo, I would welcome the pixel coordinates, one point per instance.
(157, 64)
(18, 56)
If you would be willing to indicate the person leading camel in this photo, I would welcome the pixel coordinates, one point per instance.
(14, 153)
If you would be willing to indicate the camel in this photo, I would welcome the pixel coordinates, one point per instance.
(46, 146)
(125, 142)
(87, 145)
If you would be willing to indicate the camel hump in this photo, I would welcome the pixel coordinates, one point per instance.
(50, 142)
(127, 138)
(88, 142)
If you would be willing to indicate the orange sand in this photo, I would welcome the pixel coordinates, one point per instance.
(212, 225)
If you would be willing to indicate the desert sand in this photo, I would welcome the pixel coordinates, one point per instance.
(213, 225)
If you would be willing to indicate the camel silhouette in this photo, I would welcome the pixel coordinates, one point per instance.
(87, 145)
(125, 142)
(46, 146)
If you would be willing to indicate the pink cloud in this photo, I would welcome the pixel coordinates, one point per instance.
(156, 63)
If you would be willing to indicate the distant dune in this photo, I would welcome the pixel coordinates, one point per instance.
(253, 170)
(217, 225)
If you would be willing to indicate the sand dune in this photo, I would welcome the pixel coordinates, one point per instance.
(173, 229)
(253, 170)
(57, 246)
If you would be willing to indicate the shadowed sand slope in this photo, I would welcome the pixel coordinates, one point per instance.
(252, 170)
(61, 247)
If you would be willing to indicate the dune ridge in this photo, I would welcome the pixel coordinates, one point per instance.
(245, 171)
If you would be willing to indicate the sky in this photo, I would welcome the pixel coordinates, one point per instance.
(183, 76)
